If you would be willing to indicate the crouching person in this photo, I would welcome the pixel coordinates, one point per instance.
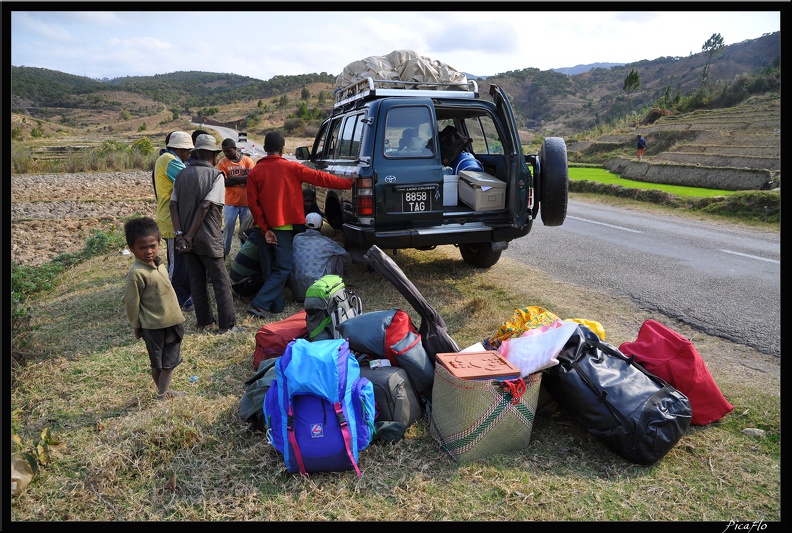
(315, 255)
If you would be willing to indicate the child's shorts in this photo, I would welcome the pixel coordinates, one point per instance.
(162, 354)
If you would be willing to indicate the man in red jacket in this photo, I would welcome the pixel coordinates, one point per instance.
(275, 198)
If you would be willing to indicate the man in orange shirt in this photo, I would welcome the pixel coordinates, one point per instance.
(275, 199)
(235, 166)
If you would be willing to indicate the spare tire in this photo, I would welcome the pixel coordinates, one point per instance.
(554, 177)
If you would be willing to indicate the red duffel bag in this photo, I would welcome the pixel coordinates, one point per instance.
(272, 339)
(667, 354)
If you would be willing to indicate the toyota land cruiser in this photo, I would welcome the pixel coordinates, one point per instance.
(390, 134)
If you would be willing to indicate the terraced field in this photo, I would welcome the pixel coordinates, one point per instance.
(735, 148)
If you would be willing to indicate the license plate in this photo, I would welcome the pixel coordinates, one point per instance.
(416, 201)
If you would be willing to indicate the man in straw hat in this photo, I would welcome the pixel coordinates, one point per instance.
(171, 161)
(196, 208)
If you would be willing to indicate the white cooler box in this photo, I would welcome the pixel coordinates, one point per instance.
(450, 184)
(481, 191)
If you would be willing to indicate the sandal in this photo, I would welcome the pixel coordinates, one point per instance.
(255, 311)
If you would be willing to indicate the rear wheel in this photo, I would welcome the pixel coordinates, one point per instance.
(333, 213)
(554, 188)
(479, 254)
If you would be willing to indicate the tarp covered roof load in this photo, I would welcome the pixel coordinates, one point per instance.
(401, 65)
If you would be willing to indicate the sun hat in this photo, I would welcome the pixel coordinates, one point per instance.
(180, 139)
(207, 142)
(313, 220)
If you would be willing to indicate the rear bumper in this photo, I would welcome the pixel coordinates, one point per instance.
(474, 232)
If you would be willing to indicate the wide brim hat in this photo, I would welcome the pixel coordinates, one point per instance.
(206, 142)
(180, 139)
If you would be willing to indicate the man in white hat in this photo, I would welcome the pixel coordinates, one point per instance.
(315, 255)
(196, 207)
(168, 165)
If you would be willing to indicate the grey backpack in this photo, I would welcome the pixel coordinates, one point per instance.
(328, 302)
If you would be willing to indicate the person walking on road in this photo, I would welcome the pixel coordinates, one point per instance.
(640, 147)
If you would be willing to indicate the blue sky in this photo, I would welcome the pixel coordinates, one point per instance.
(230, 38)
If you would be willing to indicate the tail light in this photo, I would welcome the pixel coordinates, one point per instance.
(365, 197)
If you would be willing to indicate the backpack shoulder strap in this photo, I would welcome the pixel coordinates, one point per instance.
(347, 437)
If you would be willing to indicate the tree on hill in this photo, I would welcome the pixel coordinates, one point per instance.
(631, 83)
(711, 47)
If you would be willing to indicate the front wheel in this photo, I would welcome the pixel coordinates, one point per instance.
(480, 255)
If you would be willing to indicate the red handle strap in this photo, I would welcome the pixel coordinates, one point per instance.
(515, 387)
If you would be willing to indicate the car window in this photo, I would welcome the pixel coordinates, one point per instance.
(318, 147)
(350, 136)
(484, 133)
(333, 140)
(409, 132)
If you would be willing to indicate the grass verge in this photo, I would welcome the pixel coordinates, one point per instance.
(127, 457)
(751, 207)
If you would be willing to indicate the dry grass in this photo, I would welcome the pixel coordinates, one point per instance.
(128, 457)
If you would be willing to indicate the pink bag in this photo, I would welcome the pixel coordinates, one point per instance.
(537, 349)
(668, 355)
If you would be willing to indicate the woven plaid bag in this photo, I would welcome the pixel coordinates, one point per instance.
(473, 419)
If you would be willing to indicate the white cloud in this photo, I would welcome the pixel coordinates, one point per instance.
(262, 44)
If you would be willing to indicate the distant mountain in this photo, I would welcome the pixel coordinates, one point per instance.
(563, 101)
(577, 69)
(569, 71)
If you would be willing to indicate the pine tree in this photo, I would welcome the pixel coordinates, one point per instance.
(631, 83)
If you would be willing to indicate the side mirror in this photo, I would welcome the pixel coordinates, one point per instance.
(303, 153)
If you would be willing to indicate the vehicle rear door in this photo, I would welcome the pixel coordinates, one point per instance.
(408, 173)
(519, 176)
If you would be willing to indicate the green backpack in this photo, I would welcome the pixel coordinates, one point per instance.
(328, 302)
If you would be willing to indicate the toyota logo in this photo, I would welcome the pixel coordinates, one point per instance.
(390, 179)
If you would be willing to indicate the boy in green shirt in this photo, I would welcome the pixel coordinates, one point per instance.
(151, 304)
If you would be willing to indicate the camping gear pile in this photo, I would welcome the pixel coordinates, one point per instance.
(323, 399)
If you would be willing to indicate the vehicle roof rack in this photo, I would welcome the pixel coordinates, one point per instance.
(368, 88)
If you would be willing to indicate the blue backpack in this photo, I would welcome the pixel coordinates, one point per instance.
(319, 411)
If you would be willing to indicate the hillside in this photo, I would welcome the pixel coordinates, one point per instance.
(562, 105)
(546, 102)
(734, 148)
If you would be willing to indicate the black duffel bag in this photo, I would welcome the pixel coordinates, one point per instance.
(636, 414)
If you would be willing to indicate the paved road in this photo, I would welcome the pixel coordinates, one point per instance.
(254, 146)
(721, 279)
